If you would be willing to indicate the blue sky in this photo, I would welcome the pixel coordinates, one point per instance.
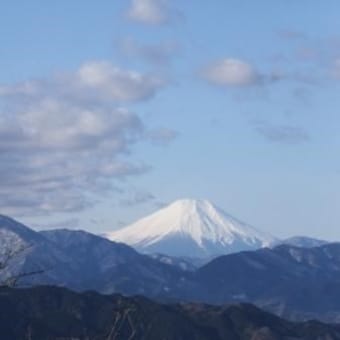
(109, 111)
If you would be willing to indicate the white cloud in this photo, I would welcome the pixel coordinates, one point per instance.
(230, 72)
(65, 141)
(152, 12)
(58, 155)
(92, 82)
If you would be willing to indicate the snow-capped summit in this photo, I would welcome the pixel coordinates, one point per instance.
(191, 228)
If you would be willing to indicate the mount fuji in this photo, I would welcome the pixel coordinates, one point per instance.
(192, 229)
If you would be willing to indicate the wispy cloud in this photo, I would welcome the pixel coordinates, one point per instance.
(311, 60)
(284, 134)
(157, 53)
(162, 136)
(138, 198)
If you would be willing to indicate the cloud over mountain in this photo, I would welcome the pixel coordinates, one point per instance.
(66, 137)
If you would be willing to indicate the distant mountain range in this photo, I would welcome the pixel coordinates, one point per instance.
(191, 228)
(56, 313)
(297, 283)
(82, 261)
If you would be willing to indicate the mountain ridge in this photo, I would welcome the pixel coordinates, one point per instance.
(81, 261)
(57, 313)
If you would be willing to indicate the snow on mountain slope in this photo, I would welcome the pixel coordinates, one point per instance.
(301, 241)
(191, 228)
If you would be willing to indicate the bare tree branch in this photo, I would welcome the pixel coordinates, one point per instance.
(13, 280)
(10, 254)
